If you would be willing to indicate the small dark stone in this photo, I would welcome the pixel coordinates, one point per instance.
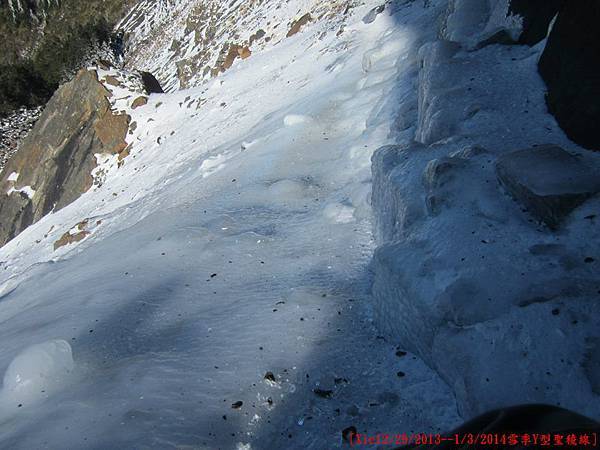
(401, 374)
(589, 259)
(237, 405)
(270, 377)
(400, 353)
(324, 393)
(555, 312)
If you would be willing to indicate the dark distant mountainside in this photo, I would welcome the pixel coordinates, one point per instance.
(45, 41)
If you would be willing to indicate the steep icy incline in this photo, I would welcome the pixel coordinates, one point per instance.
(232, 241)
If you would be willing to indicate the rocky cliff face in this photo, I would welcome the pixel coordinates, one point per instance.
(54, 163)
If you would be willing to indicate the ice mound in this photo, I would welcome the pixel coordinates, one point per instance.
(36, 372)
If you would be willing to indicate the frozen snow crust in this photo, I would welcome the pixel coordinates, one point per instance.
(505, 309)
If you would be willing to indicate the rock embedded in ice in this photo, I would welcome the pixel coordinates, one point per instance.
(549, 181)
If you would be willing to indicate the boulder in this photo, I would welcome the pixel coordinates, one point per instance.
(570, 65)
(53, 165)
(548, 181)
(139, 101)
(151, 84)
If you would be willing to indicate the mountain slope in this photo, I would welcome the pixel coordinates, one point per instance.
(234, 241)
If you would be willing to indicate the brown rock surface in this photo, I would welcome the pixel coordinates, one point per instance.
(69, 238)
(298, 24)
(140, 101)
(57, 157)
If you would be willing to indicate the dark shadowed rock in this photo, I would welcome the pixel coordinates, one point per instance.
(570, 66)
(151, 84)
(53, 166)
(548, 181)
(537, 16)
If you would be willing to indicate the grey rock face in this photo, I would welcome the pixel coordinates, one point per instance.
(548, 181)
(53, 165)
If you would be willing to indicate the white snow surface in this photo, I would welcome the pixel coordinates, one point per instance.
(27, 190)
(234, 240)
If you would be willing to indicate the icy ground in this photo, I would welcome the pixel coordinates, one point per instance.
(233, 242)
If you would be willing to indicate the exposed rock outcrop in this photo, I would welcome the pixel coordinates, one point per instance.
(151, 84)
(57, 157)
(570, 67)
(54, 163)
(186, 42)
(297, 25)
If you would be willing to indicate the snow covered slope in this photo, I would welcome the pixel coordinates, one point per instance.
(233, 241)
(184, 42)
